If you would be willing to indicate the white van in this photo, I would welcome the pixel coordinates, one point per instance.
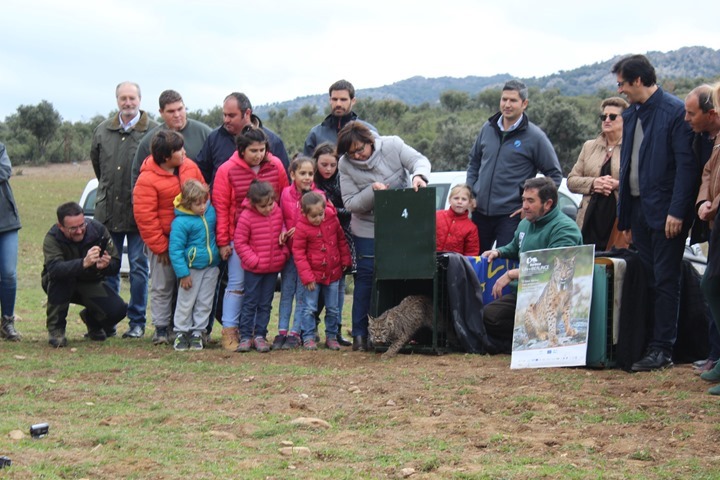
(444, 181)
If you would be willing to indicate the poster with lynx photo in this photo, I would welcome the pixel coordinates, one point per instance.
(553, 307)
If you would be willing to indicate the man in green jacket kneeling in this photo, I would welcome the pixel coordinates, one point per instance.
(543, 226)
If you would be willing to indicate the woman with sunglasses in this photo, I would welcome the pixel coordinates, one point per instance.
(596, 176)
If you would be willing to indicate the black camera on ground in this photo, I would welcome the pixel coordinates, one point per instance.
(39, 430)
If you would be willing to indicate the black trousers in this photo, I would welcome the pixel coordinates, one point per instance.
(104, 308)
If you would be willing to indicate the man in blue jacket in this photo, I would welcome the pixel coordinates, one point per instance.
(509, 150)
(658, 186)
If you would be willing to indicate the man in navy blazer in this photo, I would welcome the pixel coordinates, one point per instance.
(658, 186)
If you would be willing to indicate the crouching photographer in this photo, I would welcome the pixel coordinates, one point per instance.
(79, 256)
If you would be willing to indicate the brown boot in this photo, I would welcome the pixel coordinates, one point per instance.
(230, 339)
(7, 329)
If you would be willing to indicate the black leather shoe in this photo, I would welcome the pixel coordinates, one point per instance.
(653, 360)
(58, 341)
(134, 332)
(96, 335)
(110, 332)
(359, 344)
(343, 341)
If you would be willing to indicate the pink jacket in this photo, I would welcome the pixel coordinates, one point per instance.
(230, 187)
(257, 240)
(320, 252)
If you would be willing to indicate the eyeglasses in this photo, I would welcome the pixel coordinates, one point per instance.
(352, 153)
(620, 84)
(604, 116)
(76, 228)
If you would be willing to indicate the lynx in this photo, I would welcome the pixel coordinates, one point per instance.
(542, 316)
(397, 325)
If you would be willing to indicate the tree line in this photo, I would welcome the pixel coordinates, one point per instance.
(444, 132)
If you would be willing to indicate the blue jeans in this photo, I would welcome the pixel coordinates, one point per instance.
(257, 304)
(332, 314)
(138, 276)
(234, 291)
(290, 288)
(8, 271)
(341, 304)
(365, 252)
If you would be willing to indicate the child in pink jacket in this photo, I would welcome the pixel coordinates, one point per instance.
(321, 255)
(260, 244)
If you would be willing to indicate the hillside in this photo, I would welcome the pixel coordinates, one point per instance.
(687, 62)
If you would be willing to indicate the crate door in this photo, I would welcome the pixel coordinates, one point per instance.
(405, 234)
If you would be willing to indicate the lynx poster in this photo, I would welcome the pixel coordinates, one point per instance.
(553, 307)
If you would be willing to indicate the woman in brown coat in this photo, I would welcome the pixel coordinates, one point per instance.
(596, 176)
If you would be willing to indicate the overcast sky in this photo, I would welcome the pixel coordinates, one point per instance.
(73, 53)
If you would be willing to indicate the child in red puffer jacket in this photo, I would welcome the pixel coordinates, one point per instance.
(455, 232)
(321, 255)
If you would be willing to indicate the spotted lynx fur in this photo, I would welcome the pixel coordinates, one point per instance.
(397, 325)
(542, 316)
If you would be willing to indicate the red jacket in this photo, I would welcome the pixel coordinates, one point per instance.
(230, 187)
(456, 233)
(291, 208)
(153, 197)
(257, 240)
(320, 252)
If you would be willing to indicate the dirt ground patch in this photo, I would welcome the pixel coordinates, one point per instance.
(125, 409)
(448, 416)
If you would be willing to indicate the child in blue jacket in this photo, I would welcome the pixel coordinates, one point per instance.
(194, 256)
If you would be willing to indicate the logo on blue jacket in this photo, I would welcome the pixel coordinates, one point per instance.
(517, 143)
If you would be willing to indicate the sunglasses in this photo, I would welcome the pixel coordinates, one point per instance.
(604, 116)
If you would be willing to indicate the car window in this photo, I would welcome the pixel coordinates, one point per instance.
(442, 190)
(89, 205)
(567, 205)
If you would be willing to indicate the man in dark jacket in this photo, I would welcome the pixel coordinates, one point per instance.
(220, 144)
(508, 150)
(79, 257)
(704, 120)
(113, 148)
(658, 186)
(342, 100)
